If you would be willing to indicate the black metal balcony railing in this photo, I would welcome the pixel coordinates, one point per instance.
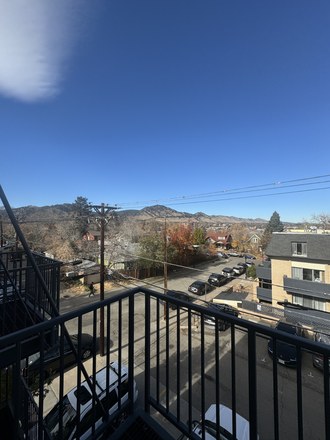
(180, 370)
(23, 301)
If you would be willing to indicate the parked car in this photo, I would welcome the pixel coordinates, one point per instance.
(226, 425)
(215, 279)
(222, 255)
(243, 265)
(69, 402)
(209, 321)
(52, 357)
(7, 290)
(238, 270)
(250, 263)
(228, 272)
(180, 295)
(286, 353)
(323, 337)
(199, 287)
(233, 254)
(251, 257)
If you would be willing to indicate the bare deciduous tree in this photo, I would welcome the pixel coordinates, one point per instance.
(322, 219)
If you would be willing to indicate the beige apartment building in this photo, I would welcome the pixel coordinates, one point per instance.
(298, 272)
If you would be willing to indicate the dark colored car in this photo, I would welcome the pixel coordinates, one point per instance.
(228, 272)
(52, 357)
(323, 337)
(286, 353)
(209, 321)
(180, 295)
(215, 279)
(199, 287)
(251, 257)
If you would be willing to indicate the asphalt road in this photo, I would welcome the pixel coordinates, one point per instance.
(312, 392)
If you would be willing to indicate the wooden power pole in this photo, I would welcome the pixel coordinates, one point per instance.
(102, 211)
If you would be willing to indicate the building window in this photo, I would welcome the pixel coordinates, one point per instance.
(299, 249)
(265, 284)
(309, 301)
(308, 274)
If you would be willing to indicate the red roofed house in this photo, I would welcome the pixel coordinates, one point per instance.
(221, 241)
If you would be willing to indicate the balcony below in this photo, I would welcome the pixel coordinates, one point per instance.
(264, 272)
(308, 288)
(264, 294)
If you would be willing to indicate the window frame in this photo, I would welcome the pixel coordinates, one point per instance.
(295, 245)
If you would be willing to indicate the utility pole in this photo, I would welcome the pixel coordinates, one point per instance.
(165, 267)
(102, 213)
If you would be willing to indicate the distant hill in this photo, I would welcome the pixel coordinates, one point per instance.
(157, 212)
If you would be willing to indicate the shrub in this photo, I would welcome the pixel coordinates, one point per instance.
(251, 272)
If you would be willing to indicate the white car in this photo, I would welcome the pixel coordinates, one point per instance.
(238, 270)
(69, 415)
(225, 429)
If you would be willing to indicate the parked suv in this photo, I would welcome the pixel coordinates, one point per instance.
(69, 414)
(238, 269)
(209, 321)
(286, 353)
(215, 279)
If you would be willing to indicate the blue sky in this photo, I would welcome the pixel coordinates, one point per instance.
(128, 101)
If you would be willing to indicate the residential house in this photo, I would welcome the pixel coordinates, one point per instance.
(221, 241)
(253, 243)
(298, 273)
(92, 235)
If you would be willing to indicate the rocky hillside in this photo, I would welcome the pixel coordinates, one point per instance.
(157, 212)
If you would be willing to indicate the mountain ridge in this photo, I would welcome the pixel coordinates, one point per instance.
(58, 212)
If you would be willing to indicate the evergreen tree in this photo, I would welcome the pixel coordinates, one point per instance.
(198, 236)
(80, 212)
(274, 224)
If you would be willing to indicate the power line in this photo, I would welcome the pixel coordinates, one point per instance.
(225, 191)
(245, 197)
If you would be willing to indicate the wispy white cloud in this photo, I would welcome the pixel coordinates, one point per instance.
(36, 38)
